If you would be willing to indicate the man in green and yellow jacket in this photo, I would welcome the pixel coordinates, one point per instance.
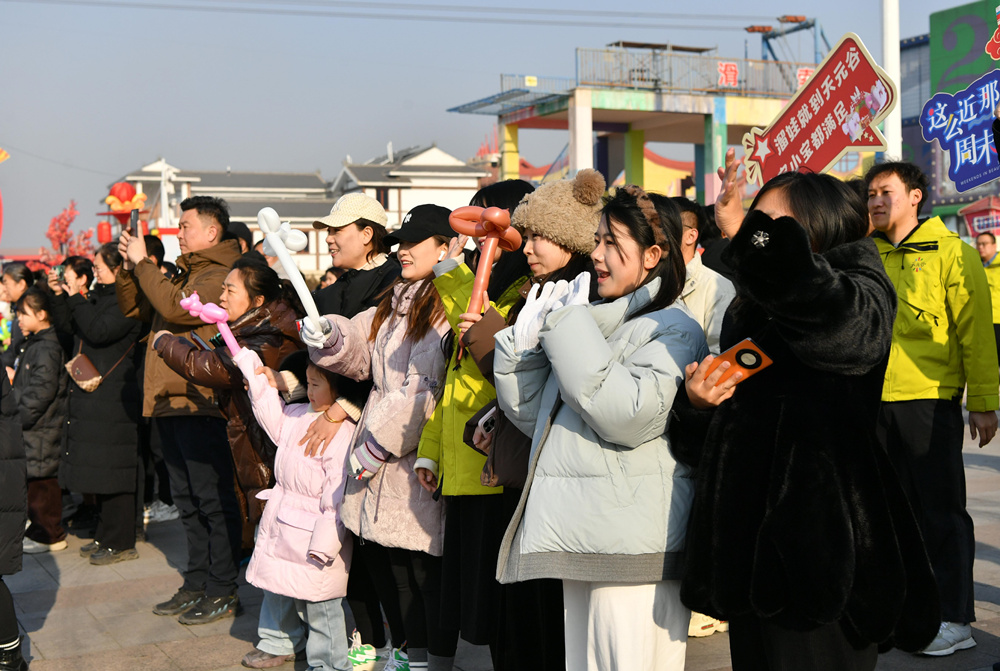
(942, 342)
(986, 244)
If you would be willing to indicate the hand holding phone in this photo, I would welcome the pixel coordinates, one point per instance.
(744, 357)
(714, 380)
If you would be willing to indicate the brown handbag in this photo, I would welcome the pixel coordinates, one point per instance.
(83, 371)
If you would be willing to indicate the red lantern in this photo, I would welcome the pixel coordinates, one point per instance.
(123, 191)
(104, 232)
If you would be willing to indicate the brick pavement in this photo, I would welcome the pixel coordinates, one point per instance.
(98, 618)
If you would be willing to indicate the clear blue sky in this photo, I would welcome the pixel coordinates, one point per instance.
(91, 92)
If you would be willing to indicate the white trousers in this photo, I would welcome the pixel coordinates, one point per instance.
(625, 627)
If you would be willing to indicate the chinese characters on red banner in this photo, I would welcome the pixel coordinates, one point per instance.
(833, 113)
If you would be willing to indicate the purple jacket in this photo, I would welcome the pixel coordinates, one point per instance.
(302, 515)
(391, 508)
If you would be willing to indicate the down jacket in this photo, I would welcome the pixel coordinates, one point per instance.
(302, 516)
(146, 294)
(101, 442)
(799, 517)
(40, 386)
(391, 508)
(13, 482)
(604, 499)
(270, 332)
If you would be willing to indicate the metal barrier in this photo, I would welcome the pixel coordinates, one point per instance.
(662, 70)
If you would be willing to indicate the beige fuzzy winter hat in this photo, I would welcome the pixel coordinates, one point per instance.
(566, 212)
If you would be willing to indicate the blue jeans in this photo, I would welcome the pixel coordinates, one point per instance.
(326, 645)
(280, 630)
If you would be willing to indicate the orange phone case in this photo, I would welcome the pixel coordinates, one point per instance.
(744, 357)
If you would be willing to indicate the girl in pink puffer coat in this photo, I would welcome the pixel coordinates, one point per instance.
(302, 550)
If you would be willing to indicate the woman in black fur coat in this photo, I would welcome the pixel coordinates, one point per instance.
(800, 534)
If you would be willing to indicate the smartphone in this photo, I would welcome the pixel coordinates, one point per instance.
(200, 342)
(133, 220)
(744, 357)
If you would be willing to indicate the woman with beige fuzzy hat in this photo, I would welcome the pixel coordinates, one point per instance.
(558, 221)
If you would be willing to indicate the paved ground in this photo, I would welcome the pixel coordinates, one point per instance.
(98, 618)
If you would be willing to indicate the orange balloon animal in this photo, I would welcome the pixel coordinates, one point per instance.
(493, 224)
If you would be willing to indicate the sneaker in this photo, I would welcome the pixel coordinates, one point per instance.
(106, 556)
(398, 661)
(161, 512)
(89, 549)
(211, 608)
(258, 659)
(30, 547)
(951, 637)
(703, 625)
(179, 602)
(362, 655)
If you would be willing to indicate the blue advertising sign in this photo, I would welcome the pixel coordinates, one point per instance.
(962, 124)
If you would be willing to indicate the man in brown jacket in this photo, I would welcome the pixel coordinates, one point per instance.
(192, 431)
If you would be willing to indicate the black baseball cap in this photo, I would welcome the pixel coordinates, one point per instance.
(422, 222)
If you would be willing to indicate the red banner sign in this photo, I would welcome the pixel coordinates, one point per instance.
(835, 112)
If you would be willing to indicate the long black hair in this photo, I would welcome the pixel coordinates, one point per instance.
(631, 208)
(831, 211)
(511, 266)
(259, 279)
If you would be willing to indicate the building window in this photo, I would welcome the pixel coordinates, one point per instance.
(382, 196)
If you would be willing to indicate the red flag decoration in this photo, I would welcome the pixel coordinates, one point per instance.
(835, 112)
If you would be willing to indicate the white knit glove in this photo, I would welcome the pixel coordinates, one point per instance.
(578, 292)
(357, 471)
(540, 301)
(312, 338)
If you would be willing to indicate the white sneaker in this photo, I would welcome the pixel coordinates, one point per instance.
(362, 655)
(951, 637)
(398, 661)
(161, 512)
(703, 625)
(30, 547)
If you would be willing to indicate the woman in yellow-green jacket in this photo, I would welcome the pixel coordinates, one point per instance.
(445, 464)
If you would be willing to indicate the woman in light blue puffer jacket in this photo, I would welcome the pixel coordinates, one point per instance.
(605, 505)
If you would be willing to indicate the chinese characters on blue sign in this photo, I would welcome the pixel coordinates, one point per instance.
(962, 124)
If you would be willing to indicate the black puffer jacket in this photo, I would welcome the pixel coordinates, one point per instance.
(13, 482)
(100, 445)
(356, 290)
(40, 386)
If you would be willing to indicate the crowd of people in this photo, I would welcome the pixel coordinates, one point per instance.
(580, 475)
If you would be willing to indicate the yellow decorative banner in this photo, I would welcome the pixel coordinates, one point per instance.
(3, 155)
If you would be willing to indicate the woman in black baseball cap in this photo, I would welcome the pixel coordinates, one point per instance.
(398, 346)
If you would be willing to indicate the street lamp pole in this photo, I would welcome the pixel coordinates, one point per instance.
(890, 63)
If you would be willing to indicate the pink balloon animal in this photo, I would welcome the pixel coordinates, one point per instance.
(212, 314)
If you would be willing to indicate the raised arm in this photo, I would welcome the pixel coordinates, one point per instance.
(625, 402)
(208, 368)
(348, 351)
(268, 407)
(836, 310)
(164, 296)
(519, 378)
(131, 301)
(99, 327)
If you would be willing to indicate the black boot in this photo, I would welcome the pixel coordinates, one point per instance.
(11, 660)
